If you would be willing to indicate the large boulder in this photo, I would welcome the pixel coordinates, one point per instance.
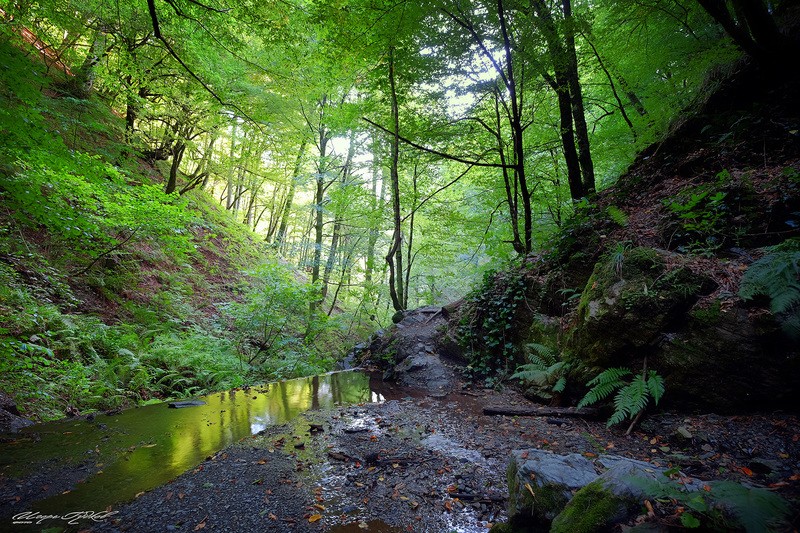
(631, 298)
(540, 483)
(728, 358)
(571, 493)
(612, 498)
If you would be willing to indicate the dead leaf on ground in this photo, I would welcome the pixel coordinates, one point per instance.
(314, 518)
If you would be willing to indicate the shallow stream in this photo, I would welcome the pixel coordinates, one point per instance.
(139, 449)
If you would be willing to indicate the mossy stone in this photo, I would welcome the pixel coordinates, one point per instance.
(593, 508)
(630, 299)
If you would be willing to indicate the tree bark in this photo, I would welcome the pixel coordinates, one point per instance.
(394, 258)
(576, 98)
(560, 84)
(287, 206)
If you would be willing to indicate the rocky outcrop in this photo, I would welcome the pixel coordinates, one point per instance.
(414, 352)
(11, 420)
(573, 494)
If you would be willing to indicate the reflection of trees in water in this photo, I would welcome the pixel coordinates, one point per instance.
(315, 392)
(153, 444)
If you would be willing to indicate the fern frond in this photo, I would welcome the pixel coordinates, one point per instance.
(630, 400)
(541, 354)
(603, 385)
(528, 372)
(560, 385)
(655, 386)
(608, 376)
(785, 300)
(617, 215)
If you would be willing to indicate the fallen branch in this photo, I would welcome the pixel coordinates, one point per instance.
(584, 412)
(481, 498)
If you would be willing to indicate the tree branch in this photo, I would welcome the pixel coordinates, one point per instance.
(151, 6)
(436, 152)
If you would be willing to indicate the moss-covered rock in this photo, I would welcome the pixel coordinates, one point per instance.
(631, 298)
(725, 359)
(593, 508)
(611, 499)
(541, 483)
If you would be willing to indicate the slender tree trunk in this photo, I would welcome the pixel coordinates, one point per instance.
(409, 257)
(229, 202)
(376, 211)
(287, 207)
(394, 258)
(337, 222)
(576, 97)
(515, 96)
(560, 85)
(319, 197)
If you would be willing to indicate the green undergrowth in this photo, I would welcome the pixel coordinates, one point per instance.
(113, 293)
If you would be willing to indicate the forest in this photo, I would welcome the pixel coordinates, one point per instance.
(593, 203)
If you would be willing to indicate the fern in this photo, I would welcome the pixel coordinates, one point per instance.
(777, 276)
(756, 509)
(632, 397)
(544, 372)
(655, 386)
(603, 385)
(617, 215)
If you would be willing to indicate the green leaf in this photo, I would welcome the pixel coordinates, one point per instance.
(690, 521)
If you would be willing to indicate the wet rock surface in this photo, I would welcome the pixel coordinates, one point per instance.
(11, 420)
(412, 352)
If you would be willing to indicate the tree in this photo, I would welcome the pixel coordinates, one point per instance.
(752, 27)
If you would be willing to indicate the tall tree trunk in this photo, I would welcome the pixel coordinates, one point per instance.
(409, 257)
(576, 98)
(337, 221)
(287, 206)
(229, 202)
(515, 96)
(560, 86)
(376, 201)
(319, 197)
(394, 258)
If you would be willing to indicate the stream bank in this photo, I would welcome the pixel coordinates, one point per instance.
(435, 465)
(416, 463)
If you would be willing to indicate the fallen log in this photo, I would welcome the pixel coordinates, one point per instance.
(584, 412)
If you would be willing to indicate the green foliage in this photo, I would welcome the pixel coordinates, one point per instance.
(545, 372)
(617, 215)
(631, 397)
(617, 256)
(724, 506)
(274, 325)
(489, 331)
(703, 213)
(776, 276)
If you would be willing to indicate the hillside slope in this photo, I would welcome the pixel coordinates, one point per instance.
(113, 292)
(687, 266)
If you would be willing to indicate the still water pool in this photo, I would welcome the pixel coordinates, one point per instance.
(139, 449)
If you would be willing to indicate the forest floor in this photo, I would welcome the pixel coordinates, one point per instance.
(418, 463)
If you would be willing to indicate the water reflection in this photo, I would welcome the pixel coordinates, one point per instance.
(143, 448)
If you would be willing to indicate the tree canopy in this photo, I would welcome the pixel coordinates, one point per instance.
(393, 150)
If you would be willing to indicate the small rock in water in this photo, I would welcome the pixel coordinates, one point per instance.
(188, 403)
